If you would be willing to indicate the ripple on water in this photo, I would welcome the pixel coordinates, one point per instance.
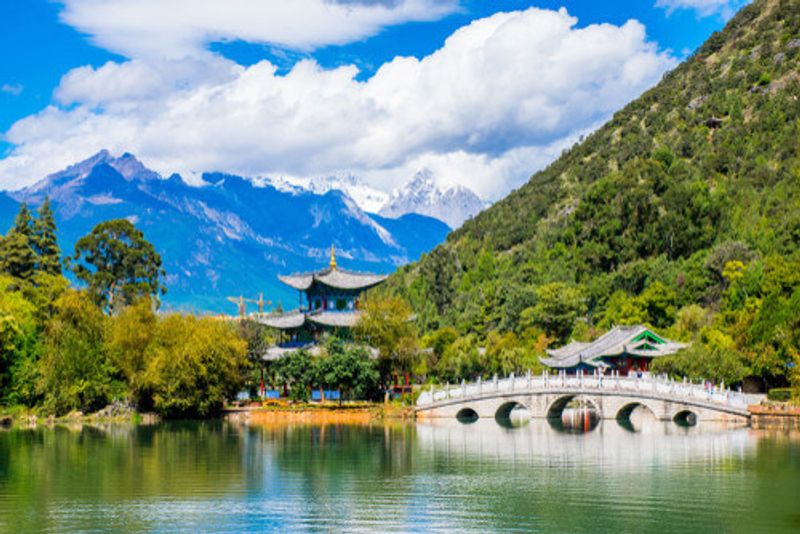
(439, 476)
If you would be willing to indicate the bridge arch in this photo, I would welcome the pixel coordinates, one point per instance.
(624, 413)
(685, 418)
(556, 407)
(467, 415)
(503, 414)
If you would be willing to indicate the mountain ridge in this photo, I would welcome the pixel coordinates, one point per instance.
(229, 236)
(706, 159)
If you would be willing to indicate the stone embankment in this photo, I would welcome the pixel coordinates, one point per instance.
(775, 417)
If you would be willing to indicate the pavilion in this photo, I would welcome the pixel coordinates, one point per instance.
(625, 349)
(329, 301)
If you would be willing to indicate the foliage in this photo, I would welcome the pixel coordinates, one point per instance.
(655, 218)
(44, 241)
(349, 369)
(780, 394)
(296, 370)
(385, 324)
(193, 365)
(130, 338)
(75, 371)
(17, 256)
(118, 264)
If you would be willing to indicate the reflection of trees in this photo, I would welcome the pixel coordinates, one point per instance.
(49, 471)
(207, 476)
(339, 471)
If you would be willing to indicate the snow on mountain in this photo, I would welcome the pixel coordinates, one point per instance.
(232, 235)
(368, 198)
(421, 195)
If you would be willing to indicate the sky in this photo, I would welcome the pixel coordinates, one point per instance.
(480, 93)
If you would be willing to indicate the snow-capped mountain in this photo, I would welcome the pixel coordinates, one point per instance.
(421, 195)
(230, 236)
(368, 198)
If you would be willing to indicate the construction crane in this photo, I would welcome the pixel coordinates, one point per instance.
(240, 301)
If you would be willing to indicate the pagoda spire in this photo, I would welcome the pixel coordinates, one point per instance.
(333, 257)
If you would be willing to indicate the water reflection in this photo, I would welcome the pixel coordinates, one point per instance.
(438, 475)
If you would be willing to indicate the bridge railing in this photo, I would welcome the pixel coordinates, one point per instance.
(659, 386)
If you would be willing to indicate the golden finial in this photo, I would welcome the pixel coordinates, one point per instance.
(333, 257)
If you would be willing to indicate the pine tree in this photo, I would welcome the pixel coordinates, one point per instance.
(44, 240)
(17, 256)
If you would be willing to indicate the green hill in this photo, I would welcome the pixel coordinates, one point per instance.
(683, 212)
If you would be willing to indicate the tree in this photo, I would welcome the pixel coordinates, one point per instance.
(349, 369)
(44, 241)
(17, 256)
(193, 365)
(19, 343)
(385, 324)
(557, 308)
(297, 370)
(75, 371)
(118, 264)
(130, 337)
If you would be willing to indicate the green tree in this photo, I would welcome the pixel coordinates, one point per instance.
(129, 341)
(557, 308)
(19, 344)
(193, 365)
(348, 368)
(44, 241)
(75, 371)
(385, 324)
(118, 264)
(297, 370)
(17, 256)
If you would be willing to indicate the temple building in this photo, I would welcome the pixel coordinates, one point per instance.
(626, 349)
(329, 301)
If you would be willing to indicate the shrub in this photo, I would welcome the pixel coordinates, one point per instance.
(780, 394)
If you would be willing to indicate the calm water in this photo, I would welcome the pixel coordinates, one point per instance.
(403, 477)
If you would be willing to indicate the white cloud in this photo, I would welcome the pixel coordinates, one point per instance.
(13, 89)
(704, 8)
(498, 101)
(181, 28)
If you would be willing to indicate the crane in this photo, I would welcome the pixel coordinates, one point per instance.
(240, 301)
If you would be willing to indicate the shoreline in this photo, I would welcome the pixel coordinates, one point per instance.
(350, 413)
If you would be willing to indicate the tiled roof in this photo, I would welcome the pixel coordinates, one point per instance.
(337, 278)
(617, 341)
(294, 319)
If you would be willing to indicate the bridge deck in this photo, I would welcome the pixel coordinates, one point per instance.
(655, 388)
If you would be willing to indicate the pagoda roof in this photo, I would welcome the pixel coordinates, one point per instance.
(335, 319)
(631, 340)
(296, 319)
(333, 277)
(285, 321)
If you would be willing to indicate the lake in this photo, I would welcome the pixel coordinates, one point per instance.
(442, 476)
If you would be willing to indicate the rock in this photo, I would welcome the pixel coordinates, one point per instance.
(116, 409)
(697, 102)
(794, 43)
(779, 57)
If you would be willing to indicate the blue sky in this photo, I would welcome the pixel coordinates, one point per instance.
(78, 75)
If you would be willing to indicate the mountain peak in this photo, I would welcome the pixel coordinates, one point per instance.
(421, 195)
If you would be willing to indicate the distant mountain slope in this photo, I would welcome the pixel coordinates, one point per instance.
(705, 165)
(422, 196)
(8, 209)
(229, 237)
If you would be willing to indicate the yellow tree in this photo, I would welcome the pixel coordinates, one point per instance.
(386, 323)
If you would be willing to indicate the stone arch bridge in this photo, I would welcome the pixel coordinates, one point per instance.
(613, 397)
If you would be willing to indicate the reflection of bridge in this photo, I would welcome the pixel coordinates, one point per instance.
(612, 397)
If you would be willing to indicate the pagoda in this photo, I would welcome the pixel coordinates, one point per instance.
(329, 302)
(624, 349)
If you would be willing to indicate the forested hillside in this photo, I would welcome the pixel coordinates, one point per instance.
(682, 212)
